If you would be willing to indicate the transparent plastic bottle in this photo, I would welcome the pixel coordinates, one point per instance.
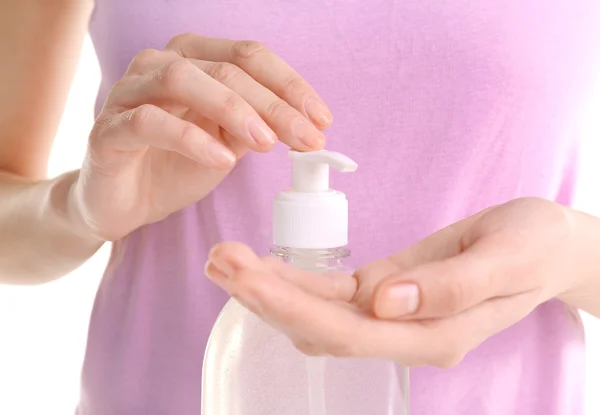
(252, 369)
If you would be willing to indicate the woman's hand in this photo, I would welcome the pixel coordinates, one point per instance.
(434, 302)
(174, 126)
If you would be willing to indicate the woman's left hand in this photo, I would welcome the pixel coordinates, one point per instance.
(429, 304)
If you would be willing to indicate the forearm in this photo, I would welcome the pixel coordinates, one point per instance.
(42, 236)
(585, 292)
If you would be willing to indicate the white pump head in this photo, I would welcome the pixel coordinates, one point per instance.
(310, 215)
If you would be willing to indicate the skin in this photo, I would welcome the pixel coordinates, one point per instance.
(462, 284)
(159, 127)
(170, 130)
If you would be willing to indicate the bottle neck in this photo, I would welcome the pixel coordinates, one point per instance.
(317, 260)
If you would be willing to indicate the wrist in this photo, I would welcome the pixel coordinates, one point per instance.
(584, 263)
(66, 206)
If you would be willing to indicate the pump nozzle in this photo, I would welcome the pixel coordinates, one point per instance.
(311, 169)
(311, 215)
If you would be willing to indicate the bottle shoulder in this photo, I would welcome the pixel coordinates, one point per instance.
(316, 260)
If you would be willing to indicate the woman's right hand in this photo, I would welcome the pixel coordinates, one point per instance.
(174, 126)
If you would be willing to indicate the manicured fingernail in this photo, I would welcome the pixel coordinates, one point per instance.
(219, 153)
(308, 134)
(398, 300)
(318, 113)
(260, 132)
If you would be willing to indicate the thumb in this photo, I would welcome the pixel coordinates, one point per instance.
(436, 289)
(435, 275)
(450, 286)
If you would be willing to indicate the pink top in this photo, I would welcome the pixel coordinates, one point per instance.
(448, 107)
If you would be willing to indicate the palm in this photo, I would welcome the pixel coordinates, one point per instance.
(153, 183)
(173, 181)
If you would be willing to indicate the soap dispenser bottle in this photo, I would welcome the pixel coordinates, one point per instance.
(251, 368)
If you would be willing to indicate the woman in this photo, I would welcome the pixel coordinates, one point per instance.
(448, 108)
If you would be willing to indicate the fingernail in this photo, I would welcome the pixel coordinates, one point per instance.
(260, 132)
(224, 266)
(398, 300)
(219, 153)
(213, 251)
(317, 112)
(308, 134)
(213, 272)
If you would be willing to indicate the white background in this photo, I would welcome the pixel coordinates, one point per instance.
(43, 329)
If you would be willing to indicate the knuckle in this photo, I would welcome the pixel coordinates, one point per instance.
(144, 57)
(99, 129)
(247, 49)
(119, 96)
(455, 298)
(294, 86)
(123, 83)
(186, 135)
(138, 119)
(337, 289)
(379, 267)
(232, 104)
(559, 216)
(181, 39)
(223, 72)
(174, 74)
(244, 284)
(277, 108)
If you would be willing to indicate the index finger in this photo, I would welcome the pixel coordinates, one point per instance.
(263, 65)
